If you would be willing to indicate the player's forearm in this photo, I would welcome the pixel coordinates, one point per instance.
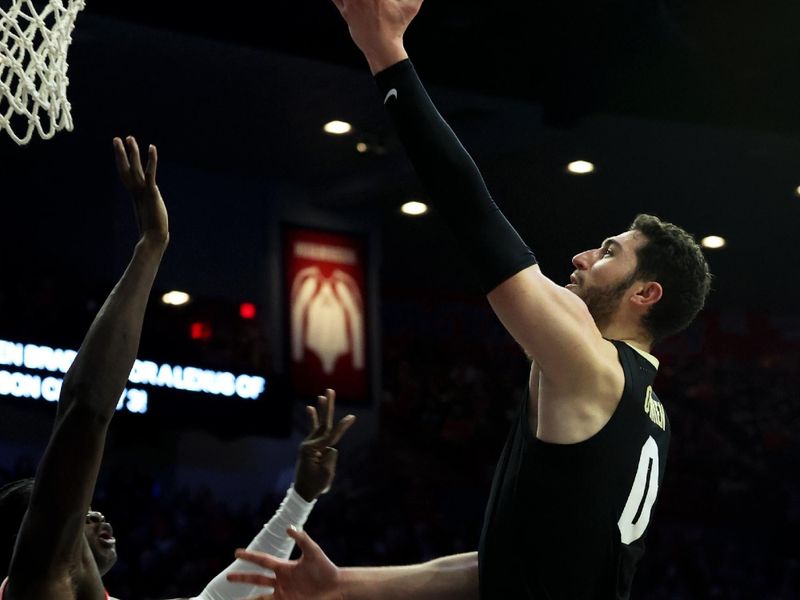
(448, 578)
(68, 470)
(272, 539)
(102, 366)
(456, 186)
(442, 163)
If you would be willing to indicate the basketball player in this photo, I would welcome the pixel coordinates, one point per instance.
(53, 557)
(576, 483)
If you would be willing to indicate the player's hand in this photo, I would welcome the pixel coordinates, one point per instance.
(312, 577)
(151, 213)
(316, 462)
(378, 26)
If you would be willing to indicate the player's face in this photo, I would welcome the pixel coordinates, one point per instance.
(100, 537)
(603, 275)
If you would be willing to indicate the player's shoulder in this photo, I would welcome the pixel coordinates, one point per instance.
(637, 359)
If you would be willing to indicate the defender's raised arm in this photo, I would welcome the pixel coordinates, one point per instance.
(48, 557)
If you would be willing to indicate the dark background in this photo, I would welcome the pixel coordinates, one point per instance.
(689, 111)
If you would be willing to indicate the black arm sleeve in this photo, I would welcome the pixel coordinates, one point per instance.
(457, 189)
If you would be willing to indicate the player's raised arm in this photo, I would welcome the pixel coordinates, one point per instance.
(51, 534)
(552, 325)
(314, 474)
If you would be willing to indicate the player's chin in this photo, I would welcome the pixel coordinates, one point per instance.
(105, 555)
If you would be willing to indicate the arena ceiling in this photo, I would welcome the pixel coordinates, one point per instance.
(689, 110)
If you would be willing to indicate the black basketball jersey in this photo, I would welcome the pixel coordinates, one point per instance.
(567, 521)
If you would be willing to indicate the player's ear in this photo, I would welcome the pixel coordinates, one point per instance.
(647, 293)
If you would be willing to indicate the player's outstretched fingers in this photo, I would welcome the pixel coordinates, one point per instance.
(341, 428)
(330, 397)
(135, 158)
(322, 417)
(123, 165)
(304, 541)
(261, 559)
(252, 578)
(312, 415)
(152, 164)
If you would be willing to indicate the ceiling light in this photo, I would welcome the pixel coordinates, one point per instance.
(713, 242)
(361, 147)
(414, 208)
(580, 167)
(175, 298)
(338, 128)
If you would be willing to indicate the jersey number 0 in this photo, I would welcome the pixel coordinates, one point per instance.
(636, 514)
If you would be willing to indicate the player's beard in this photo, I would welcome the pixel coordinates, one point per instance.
(603, 302)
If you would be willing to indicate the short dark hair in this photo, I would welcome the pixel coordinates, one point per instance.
(674, 259)
(14, 500)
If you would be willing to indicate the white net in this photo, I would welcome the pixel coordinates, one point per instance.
(33, 67)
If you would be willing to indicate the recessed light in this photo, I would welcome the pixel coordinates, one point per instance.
(713, 242)
(414, 208)
(361, 147)
(338, 128)
(175, 298)
(580, 167)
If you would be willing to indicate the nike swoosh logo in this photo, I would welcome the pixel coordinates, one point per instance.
(392, 93)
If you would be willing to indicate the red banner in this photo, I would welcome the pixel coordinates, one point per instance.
(326, 284)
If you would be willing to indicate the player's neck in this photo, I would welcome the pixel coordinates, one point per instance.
(630, 334)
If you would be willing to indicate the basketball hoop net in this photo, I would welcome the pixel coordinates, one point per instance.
(33, 68)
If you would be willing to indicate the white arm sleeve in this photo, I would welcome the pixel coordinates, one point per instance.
(272, 539)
